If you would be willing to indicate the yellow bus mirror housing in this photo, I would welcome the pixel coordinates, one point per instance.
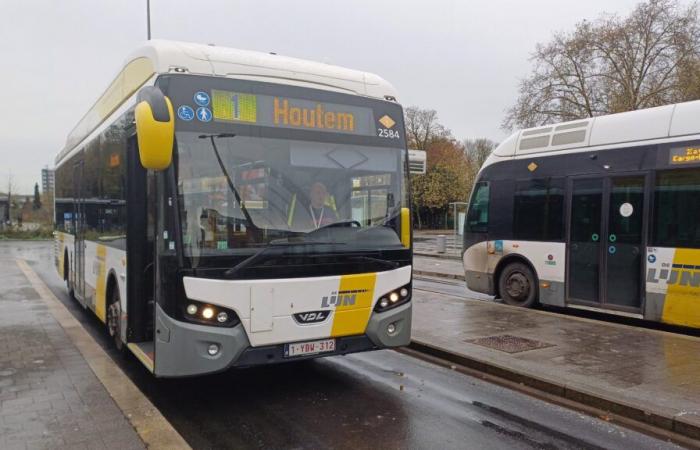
(406, 227)
(155, 128)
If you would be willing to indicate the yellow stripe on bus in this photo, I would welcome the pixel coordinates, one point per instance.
(100, 289)
(351, 317)
(682, 304)
(61, 254)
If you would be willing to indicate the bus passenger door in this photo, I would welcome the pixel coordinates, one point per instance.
(606, 241)
(79, 240)
(624, 246)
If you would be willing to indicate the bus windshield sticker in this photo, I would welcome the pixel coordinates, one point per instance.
(626, 209)
(684, 155)
(498, 246)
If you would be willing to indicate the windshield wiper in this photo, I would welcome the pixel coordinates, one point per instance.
(274, 249)
(229, 181)
(338, 224)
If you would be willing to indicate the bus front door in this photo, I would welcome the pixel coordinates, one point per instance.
(79, 240)
(606, 241)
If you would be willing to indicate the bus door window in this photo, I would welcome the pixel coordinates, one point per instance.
(585, 237)
(372, 199)
(624, 241)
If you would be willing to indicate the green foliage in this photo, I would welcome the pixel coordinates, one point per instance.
(13, 233)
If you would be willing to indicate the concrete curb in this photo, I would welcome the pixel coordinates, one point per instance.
(659, 420)
(429, 273)
(154, 430)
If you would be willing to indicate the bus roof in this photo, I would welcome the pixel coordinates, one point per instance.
(162, 56)
(670, 121)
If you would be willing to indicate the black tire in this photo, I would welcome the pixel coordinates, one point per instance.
(518, 286)
(66, 277)
(114, 312)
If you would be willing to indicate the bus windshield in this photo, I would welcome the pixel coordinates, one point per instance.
(238, 192)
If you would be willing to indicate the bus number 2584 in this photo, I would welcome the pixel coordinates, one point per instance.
(386, 133)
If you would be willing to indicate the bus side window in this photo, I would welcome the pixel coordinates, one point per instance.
(478, 216)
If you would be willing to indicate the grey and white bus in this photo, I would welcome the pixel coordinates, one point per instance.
(599, 213)
(221, 208)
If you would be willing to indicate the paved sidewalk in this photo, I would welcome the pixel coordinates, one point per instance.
(438, 267)
(49, 396)
(647, 375)
(425, 244)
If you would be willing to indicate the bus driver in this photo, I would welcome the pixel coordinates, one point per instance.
(318, 213)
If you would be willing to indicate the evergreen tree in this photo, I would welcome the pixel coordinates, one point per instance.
(37, 197)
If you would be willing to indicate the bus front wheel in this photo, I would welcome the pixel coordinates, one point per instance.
(517, 285)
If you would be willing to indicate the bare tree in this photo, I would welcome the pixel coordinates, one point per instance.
(423, 128)
(613, 64)
(476, 152)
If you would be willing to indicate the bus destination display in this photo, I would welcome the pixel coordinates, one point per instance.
(284, 112)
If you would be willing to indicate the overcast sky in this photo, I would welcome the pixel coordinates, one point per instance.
(461, 58)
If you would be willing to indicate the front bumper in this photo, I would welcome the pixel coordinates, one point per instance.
(181, 348)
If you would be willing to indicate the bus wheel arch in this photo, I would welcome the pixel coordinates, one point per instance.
(521, 274)
(114, 311)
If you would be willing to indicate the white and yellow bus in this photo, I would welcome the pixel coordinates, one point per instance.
(601, 214)
(220, 208)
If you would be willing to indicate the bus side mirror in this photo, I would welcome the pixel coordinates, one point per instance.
(155, 128)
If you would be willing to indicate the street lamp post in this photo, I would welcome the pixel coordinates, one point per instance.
(148, 18)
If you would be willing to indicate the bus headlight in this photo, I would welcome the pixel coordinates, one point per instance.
(208, 314)
(394, 298)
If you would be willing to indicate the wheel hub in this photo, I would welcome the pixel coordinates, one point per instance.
(517, 286)
(113, 313)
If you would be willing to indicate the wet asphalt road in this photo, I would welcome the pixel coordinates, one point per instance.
(379, 399)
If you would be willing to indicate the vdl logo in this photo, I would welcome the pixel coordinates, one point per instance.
(311, 317)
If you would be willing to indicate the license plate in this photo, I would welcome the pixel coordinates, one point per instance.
(309, 348)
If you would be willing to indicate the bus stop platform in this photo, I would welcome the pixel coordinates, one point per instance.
(651, 377)
(438, 267)
(58, 387)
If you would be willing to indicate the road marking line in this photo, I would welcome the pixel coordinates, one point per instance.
(154, 429)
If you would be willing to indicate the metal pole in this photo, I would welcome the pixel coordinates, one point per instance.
(148, 18)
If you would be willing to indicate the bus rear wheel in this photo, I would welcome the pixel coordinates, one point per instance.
(517, 285)
(114, 313)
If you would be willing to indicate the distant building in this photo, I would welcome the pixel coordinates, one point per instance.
(47, 180)
(4, 209)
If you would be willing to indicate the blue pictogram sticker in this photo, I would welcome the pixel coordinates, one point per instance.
(185, 113)
(201, 98)
(651, 258)
(204, 114)
(498, 246)
(612, 249)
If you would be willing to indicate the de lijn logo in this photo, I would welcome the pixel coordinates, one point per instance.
(677, 275)
(341, 298)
